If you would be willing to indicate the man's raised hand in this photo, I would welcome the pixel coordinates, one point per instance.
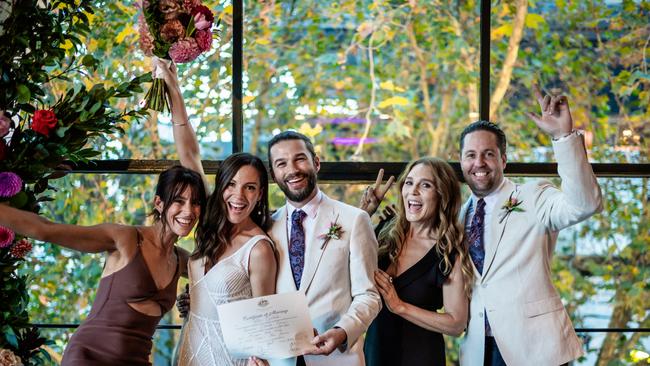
(373, 195)
(556, 116)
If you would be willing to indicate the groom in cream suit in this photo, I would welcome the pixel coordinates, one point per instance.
(335, 273)
(516, 315)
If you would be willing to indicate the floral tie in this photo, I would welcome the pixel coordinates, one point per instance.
(475, 238)
(477, 248)
(297, 246)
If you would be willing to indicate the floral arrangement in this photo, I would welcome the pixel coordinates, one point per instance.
(8, 358)
(41, 136)
(335, 231)
(176, 30)
(510, 205)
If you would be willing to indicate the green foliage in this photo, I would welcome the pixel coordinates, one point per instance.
(308, 64)
(34, 39)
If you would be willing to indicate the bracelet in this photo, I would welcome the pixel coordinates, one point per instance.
(563, 136)
(179, 124)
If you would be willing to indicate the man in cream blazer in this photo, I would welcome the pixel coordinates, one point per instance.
(516, 315)
(337, 276)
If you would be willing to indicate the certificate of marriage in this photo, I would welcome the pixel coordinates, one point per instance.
(275, 326)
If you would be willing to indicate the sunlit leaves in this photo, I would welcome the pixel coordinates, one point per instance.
(393, 101)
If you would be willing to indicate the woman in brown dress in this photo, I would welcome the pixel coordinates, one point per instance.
(138, 284)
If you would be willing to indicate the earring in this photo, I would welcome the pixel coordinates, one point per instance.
(259, 208)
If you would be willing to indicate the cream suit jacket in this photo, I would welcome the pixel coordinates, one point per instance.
(526, 315)
(338, 278)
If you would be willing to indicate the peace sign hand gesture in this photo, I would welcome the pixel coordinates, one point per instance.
(556, 116)
(373, 195)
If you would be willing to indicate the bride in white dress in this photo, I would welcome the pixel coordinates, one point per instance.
(233, 259)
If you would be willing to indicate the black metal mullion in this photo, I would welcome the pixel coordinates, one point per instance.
(237, 76)
(484, 65)
(358, 171)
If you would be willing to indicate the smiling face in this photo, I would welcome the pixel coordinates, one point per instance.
(294, 170)
(482, 163)
(182, 213)
(242, 194)
(420, 195)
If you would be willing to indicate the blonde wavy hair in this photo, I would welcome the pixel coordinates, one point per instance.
(445, 227)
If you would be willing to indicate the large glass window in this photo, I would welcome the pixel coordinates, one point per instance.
(367, 80)
(594, 52)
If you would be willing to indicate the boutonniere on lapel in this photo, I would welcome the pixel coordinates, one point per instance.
(335, 231)
(511, 204)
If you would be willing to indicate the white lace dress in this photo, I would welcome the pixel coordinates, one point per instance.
(202, 342)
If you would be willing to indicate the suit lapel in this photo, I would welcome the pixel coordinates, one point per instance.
(313, 251)
(279, 234)
(497, 226)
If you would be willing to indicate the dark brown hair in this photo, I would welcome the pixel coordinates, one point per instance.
(171, 184)
(214, 230)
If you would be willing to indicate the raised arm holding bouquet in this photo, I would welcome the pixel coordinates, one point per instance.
(176, 30)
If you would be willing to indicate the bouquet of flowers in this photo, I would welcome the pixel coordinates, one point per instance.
(176, 30)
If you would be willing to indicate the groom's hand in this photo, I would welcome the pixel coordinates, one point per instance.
(556, 116)
(373, 195)
(183, 302)
(327, 342)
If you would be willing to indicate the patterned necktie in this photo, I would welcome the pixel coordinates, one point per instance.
(475, 238)
(297, 246)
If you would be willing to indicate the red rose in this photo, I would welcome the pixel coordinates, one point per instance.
(44, 121)
(3, 149)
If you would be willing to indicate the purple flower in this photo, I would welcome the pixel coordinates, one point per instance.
(184, 50)
(6, 237)
(10, 184)
(5, 124)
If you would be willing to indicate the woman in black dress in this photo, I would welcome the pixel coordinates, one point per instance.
(423, 268)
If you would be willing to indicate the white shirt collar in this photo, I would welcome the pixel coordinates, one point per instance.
(311, 208)
(490, 199)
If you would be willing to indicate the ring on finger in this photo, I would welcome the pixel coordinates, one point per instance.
(390, 279)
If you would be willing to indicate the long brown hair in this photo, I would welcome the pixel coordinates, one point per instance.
(214, 231)
(445, 225)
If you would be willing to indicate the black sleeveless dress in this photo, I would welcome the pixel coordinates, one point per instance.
(392, 340)
(114, 333)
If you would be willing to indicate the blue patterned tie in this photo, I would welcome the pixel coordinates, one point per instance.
(297, 246)
(475, 238)
(477, 249)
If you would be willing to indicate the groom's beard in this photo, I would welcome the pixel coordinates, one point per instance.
(301, 194)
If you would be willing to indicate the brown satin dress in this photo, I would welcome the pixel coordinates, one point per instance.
(114, 333)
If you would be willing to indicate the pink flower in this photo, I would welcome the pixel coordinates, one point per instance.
(20, 249)
(184, 50)
(172, 30)
(5, 124)
(6, 237)
(146, 40)
(204, 39)
(204, 14)
(10, 184)
(200, 22)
